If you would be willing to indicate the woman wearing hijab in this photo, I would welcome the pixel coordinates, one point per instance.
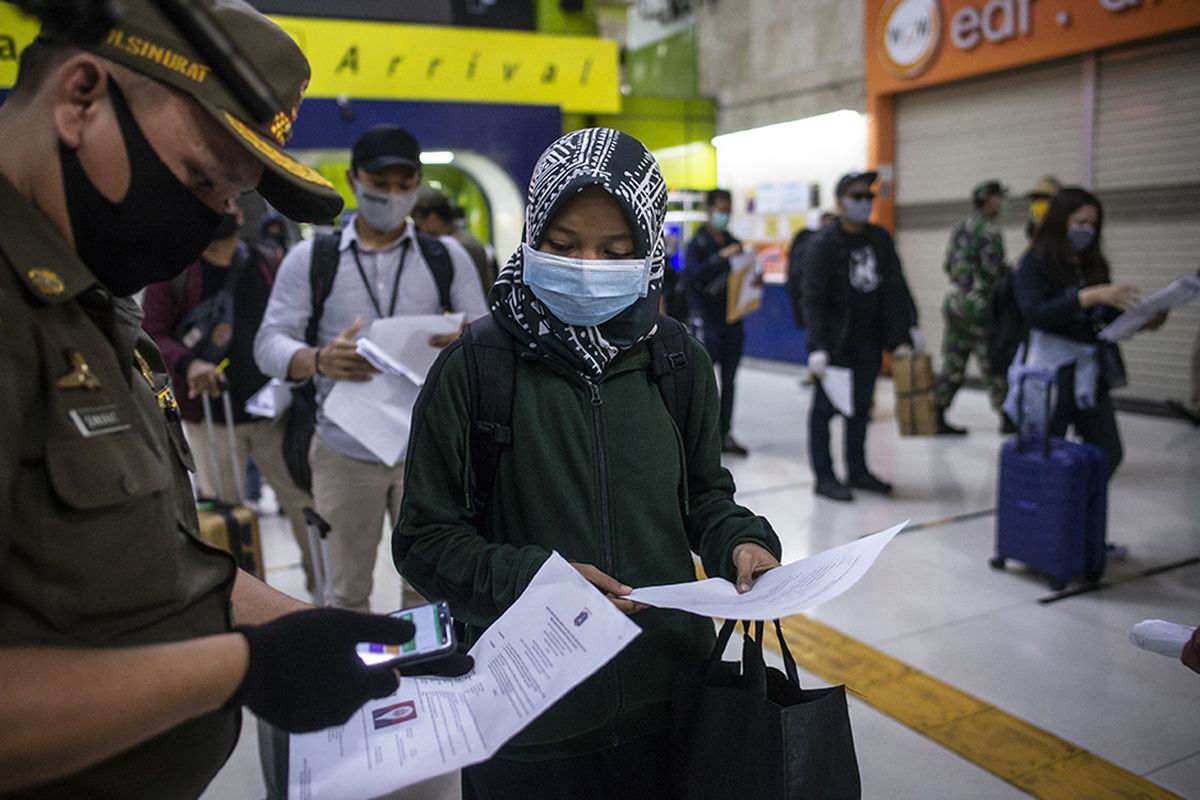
(597, 469)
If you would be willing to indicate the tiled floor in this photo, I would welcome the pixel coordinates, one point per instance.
(932, 601)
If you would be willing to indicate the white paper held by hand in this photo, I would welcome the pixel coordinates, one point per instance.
(1179, 293)
(838, 384)
(781, 592)
(269, 402)
(400, 345)
(1162, 637)
(378, 413)
(559, 632)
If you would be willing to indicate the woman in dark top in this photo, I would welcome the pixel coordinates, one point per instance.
(1064, 287)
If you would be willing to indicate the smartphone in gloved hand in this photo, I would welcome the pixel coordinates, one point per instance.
(434, 638)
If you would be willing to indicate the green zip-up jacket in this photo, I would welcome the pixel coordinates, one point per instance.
(601, 474)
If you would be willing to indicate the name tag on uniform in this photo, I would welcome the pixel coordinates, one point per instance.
(98, 420)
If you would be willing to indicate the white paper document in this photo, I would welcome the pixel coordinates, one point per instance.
(838, 383)
(274, 398)
(781, 592)
(559, 632)
(744, 292)
(377, 413)
(1162, 637)
(1179, 293)
(400, 345)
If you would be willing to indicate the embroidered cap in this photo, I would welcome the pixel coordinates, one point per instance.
(147, 42)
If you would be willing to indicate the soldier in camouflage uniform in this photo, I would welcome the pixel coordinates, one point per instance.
(974, 260)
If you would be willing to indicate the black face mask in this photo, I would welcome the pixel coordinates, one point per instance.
(151, 235)
(227, 227)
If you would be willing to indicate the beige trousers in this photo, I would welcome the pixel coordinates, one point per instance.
(261, 440)
(353, 496)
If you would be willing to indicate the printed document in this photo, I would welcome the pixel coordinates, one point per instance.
(400, 345)
(559, 632)
(1179, 293)
(838, 383)
(377, 412)
(780, 592)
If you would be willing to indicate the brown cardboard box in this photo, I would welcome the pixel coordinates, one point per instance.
(912, 373)
(916, 412)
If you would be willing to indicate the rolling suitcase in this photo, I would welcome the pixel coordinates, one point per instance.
(1052, 504)
(232, 527)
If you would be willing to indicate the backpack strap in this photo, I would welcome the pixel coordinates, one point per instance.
(438, 258)
(491, 362)
(322, 269)
(671, 368)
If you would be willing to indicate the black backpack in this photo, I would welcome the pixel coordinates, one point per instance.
(491, 361)
(301, 419)
(795, 273)
(1006, 326)
(207, 330)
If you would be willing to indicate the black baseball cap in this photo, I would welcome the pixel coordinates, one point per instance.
(147, 42)
(385, 146)
(854, 177)
(988, 188)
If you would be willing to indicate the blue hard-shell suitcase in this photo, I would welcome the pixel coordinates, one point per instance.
(1052, 510)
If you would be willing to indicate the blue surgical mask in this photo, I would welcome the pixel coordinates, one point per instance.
(857, 211)
(720, 220)
(585, 292)
(1080, 237)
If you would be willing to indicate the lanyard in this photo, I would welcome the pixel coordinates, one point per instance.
(395, 282)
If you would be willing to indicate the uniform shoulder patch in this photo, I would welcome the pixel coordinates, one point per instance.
(47, 281)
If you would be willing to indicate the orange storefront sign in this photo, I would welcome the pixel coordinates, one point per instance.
(912, 44)
(916, 43)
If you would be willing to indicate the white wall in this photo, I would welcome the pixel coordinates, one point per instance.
(769, 61)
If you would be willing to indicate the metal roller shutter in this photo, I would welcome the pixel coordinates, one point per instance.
(1148, 175)
(1015, 127)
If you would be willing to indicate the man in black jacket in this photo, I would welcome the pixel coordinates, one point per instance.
(708, 255)
(856, 304)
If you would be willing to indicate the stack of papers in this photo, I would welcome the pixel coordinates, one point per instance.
(1179, 293)
(378, 412)
(559, 632)
(838, 384)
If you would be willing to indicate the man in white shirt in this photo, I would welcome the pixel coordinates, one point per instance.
(383, 270)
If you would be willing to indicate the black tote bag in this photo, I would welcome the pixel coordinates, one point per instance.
(749, 731)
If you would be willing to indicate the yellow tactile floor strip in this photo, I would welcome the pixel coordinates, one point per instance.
(1022, 754)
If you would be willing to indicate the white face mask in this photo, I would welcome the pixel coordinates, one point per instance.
(384, 211)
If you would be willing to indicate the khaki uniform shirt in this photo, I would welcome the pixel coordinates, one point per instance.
(98, 544)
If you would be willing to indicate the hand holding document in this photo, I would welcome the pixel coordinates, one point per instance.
(400, 345)
(271, 401)
(1160, 636)
(559, 632)
(378, 412)
(744, 292)
(780, 592)
(1179, 293)
(838, 383)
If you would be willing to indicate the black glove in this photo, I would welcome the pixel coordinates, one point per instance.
(304, 673)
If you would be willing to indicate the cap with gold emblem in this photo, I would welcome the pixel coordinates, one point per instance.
(147, 42)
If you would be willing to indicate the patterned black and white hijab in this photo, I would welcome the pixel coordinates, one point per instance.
(623, 167)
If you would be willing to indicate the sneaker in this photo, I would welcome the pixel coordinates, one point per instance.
(731, 446)
(869, 483)
(946, 429)
(833, 489)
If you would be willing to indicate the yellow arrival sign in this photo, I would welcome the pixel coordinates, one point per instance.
(391, 61)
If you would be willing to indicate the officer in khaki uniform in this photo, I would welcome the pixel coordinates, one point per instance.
(121, 670)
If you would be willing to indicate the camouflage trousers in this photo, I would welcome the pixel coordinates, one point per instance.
(965, 335)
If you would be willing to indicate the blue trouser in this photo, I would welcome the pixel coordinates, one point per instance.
(865, 368)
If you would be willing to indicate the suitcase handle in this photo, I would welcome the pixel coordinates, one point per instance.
(239, 488)
(1021, 412)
